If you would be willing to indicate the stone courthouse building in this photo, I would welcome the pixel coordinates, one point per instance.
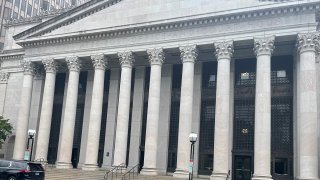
(115, 82)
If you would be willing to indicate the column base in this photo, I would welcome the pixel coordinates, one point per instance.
(261, 177)
(181, 174)
(90, 167)
(218, 176)
(63, 165)
(149, 171)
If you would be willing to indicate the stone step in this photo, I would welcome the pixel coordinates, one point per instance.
(78, 174)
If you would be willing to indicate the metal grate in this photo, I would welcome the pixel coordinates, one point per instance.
(206, 138)
(243, 134)
(174, 118)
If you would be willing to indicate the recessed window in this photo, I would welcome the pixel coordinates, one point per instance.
(245, 75)
(281, 166)
(281, 74)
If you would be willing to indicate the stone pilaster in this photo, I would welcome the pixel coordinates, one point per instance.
(224, 51)
(188, 56)
(91, 158)
(4, 76)
(308, 45)
(156, 58)
(263, 48)
(24, 110)
(65, 152)
(46, 109)
(126, 61)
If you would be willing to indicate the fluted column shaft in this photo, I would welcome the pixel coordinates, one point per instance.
(46, 110)
(67, 131)
(188, 56)
(262, 132)
(24, 111)
(224, 52)
(156, 57)
(308, 44)
(92, 149)
(120, 152)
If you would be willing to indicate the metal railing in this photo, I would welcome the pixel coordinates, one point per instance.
(114, 171)
(134, 170)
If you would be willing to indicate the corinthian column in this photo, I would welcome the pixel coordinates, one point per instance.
(46, 109)
(263, 49)
(91, 159)
(4, 76)
(188, 56)
(120, 151)
(224, 52)
(24, 111)
(67, 131)
(308, 44)
(156, 57)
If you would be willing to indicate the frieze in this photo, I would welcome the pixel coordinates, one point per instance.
(224, 50)
(73, 63)
(156, 56)
(126, 58)
(308, 42)
(227, 19)
(264, 46)
(188, 53)
(4, 76)
(50, 65)
(99, 61)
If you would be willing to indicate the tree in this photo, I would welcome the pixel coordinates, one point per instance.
(5, 129)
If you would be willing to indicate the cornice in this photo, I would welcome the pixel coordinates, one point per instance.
(175, 25)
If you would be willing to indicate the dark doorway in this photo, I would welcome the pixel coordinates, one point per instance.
(242, 167)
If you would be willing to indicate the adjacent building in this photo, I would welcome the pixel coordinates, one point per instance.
(124, 82)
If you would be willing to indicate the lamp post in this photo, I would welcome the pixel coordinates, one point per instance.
(193, 139)
(31, 133)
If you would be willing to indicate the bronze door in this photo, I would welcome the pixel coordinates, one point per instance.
(242, 167)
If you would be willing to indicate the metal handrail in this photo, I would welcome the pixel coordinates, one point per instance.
(115, 168)
(131, 171)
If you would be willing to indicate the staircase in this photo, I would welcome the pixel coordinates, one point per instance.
(78, 174)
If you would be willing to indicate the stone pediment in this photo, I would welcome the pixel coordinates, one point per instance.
(111, 15)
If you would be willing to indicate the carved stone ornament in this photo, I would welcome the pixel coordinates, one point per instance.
(188, 53)
(4, 77)
(28, 67)
(126, 58)
(224, 50)
(99, 61)
(308, 42)
(264, 46)
(73, 63)
(50, 65)
(156, 56)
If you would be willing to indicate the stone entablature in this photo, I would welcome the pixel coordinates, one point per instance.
(166, 25)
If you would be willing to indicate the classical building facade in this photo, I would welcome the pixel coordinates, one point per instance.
(116, 82)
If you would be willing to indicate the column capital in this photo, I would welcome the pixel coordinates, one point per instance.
(308, 42)
(73, 63)
(224, 49)
(126, 58)
(189, 53)
(50, 65)
(99, 61)
(29, 68)
(156, 56)
(264, 46)
(4, 76)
